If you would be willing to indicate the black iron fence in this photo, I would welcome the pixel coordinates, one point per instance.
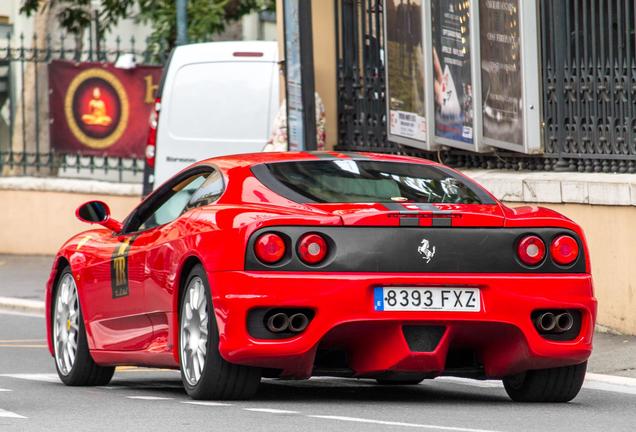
(589, 75)
(588, 80)
(24, 112)
(361, 76)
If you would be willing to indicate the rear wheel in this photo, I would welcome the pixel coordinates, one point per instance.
(205, 374)
(73, 361)
(546, 385)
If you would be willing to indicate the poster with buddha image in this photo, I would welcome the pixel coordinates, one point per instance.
(97, 109)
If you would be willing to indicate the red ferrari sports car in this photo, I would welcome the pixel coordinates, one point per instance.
(293, 265)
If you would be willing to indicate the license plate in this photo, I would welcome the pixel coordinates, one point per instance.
(427, 299)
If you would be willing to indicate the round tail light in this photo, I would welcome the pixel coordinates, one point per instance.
(531, 250)
(564, 250)
(269, 248)
(312, 248)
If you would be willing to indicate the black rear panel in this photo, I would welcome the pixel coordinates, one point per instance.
(417, 250)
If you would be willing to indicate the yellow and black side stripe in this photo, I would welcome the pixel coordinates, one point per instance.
(119, 268)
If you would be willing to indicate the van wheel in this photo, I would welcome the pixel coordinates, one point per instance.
(205, 374)
(546, 385)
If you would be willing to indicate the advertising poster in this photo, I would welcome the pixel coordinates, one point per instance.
(452, 68)
(98, 109)
(405, 69)
(295, 126)
(501, 70)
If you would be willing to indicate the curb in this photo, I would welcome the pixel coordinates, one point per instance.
(22, 305)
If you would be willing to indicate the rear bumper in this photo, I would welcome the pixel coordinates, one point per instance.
(502, 337)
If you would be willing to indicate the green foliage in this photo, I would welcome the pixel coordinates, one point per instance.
(205, 17)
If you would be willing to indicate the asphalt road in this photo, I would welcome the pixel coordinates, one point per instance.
(33, 399)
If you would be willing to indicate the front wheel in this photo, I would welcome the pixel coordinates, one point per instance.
(205, 374)
(73, 361)
(546, 385)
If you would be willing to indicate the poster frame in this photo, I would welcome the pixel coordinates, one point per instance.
(429, 144)
(475, 58)
(531, 91)
(304, 53)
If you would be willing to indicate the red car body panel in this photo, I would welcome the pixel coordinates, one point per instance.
(142, 327)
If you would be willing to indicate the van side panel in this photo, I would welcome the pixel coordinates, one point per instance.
(215, 103)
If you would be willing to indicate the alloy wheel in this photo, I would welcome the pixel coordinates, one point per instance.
(194, 330)
(66, 324)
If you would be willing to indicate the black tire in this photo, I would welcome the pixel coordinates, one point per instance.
(546, 385)
(219, 379)
(84, 372)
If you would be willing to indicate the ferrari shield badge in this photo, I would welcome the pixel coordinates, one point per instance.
(426, 250)
(119, 269)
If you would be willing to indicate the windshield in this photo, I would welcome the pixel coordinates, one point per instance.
(366, 181)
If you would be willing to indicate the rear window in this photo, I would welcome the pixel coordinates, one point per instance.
(365, 181)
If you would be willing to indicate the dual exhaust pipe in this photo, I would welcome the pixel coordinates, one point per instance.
(281, 322)
(549, 322)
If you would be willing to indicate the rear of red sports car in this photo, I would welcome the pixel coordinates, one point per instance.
(404, 271)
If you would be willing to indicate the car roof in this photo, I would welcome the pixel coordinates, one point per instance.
(251, 159)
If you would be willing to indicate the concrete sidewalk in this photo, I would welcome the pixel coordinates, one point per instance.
(23, 278)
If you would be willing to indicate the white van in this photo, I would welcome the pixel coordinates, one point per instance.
(214, 99)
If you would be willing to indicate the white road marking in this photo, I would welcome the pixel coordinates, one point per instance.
(149, 397)
(42, 377)
(22, 305)
(608, 383)
(393, 423)
(611, 379)
(206, 403)
(23, 314)
(9, 414)
(471, 382)
(5, 390)
(271, 410)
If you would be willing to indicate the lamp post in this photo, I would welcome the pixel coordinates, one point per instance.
(182, 22)
(95, 5)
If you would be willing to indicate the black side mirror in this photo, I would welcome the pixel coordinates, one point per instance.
(93, 212)
(99, 213)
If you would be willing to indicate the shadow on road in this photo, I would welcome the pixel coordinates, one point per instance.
(339, 390)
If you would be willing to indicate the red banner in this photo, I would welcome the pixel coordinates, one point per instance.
(97, 109)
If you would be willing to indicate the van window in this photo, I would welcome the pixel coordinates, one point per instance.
(217, 100)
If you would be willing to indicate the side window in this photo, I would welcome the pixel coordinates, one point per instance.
(209, 191)
(177, 202)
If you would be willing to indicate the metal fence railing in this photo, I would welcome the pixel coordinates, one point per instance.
(361, 76)
(24, 115)
(588, 78)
